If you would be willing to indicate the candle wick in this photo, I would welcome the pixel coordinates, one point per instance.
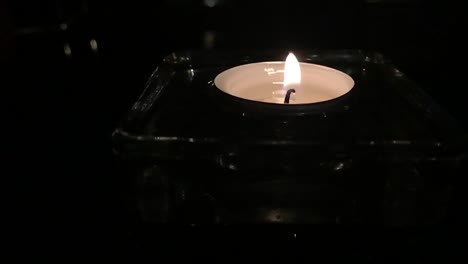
(288, 95)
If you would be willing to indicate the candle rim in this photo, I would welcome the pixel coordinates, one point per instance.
(304, 66)
(282, 62)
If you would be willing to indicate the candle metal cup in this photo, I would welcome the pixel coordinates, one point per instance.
(259, 88)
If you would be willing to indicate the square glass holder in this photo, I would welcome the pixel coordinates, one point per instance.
(251, 161)
(182, 115)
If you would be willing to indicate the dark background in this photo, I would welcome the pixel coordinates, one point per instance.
(73, 68)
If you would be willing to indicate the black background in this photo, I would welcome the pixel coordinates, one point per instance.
(69, 195)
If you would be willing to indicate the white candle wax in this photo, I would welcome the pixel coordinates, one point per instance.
(265, 82)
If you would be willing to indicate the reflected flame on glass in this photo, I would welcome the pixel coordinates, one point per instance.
(210, 3)
(67, 50)
(292, 72)
(94, 45)
(209, 39)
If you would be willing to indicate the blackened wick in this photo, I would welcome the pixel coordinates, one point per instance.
(288, 95)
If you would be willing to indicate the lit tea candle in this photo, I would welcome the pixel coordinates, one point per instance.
(288, 82)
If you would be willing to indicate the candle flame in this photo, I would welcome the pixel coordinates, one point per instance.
(292, 72)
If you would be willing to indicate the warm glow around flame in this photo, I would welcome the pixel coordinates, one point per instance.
(292, 72)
